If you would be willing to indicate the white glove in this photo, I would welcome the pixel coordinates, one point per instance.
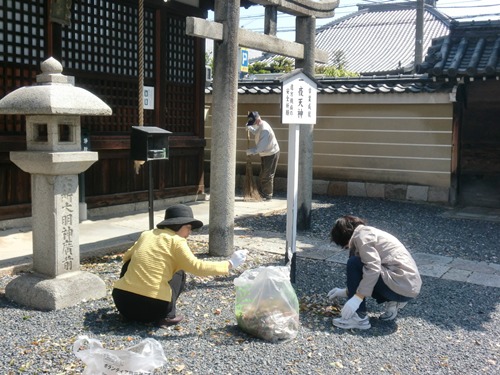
(238, 258)
(351, 306)
(337, 292)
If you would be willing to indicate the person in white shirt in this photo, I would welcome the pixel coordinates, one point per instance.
(267, 147)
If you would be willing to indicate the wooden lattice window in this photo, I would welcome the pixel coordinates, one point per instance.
(121, 96)
(180, 52)
(101, 50)
(180, 77)
(22, 49)
(22, 33)
(103, 38)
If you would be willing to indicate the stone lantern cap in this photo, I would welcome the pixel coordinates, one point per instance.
(54, 94)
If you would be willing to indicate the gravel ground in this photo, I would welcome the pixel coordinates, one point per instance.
(421, 227)
(451, 328)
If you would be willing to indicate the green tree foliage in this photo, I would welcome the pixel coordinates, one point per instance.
(281, 64)
(258, 67)
(336, 68)
(209, 60)
(332, 71)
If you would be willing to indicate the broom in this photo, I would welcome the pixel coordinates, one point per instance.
(251, 193)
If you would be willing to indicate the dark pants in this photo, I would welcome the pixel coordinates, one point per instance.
(381, 292)
(145, 309)
(268, 166)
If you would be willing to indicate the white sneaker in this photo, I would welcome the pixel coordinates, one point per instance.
(391, 310)
(354, 322)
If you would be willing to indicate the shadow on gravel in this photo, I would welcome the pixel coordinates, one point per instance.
(421, 227)
(452, 305)
(445, 304)
(108, 321)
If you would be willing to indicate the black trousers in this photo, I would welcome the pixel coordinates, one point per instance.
(268, 166)
(145, 309)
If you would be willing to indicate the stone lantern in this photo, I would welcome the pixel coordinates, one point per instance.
(54, 159)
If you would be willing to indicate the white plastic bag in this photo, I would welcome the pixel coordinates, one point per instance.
(138, 359)
(266, 305)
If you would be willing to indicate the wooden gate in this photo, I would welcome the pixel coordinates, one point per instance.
(479, 166)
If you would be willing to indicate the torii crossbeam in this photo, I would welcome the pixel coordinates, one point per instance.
(227, 34)
(266, 43)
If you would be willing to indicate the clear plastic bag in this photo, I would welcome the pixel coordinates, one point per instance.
(138, 359)
(266, 304)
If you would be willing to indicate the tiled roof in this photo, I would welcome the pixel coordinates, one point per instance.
(472, 49)
(380, 38)
(360, 85)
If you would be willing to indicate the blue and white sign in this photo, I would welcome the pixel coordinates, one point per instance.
(244, 60)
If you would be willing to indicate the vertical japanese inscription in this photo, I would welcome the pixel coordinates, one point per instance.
(67, 216)
(300, 102)
(289, 101)
(310, 100)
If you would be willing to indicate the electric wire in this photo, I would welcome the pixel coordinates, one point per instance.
(454, 5)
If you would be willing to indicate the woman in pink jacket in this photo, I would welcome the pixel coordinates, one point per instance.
(379, 266)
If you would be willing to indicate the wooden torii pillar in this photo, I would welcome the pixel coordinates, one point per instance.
(227, 38)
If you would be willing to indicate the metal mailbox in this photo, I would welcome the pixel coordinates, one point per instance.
(149, 143)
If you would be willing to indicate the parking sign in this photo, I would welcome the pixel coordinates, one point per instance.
(244, 60)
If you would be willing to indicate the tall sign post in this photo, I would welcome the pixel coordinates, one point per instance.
(298, 107)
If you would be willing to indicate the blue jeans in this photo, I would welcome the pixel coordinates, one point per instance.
(381, 292)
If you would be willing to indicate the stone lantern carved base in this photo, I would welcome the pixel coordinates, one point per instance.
(54, 158)
(42, 293)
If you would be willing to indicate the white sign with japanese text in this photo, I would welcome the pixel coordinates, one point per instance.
(299, 100)
(149, 97)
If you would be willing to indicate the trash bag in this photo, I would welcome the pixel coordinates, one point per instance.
(266, 305)
(138, 359)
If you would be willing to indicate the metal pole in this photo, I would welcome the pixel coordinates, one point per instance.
(292, 184)
(151, 200)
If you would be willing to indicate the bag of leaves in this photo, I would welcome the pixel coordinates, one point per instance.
(142, 358)
(266, 305)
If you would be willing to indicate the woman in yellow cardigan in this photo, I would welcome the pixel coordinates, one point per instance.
(153, 275)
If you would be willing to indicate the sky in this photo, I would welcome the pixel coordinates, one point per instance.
(462, 10)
